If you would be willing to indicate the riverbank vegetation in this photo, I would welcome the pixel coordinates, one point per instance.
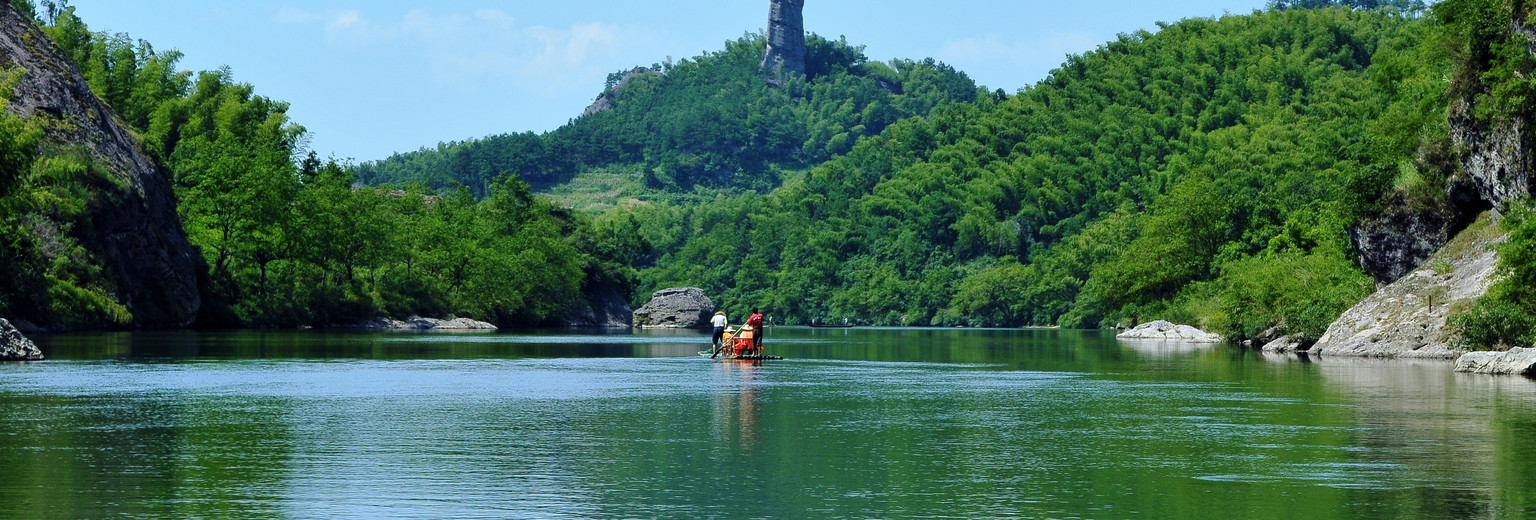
(286, 238)
(1207, 172)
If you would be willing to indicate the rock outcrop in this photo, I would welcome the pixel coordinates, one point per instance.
(1163, 330)
(16, 347)
(786, 39)
(1516, 361)
(604, 101)
(420, 323)
(135, 232)
(679, 307)
(1407, 318)
(1495, 158)
(1396, 242)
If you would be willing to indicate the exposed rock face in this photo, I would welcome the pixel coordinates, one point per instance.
(786, 38)
(1395, 243)
(136, 234)
(605, 100)
(1496, 159)
(1517, 361)
(420, 323)
(680, 307)
(1164, 330)
(606, 308)
(16, 347)
(1408, 317)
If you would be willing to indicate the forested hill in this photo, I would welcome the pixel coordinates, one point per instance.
(707, 121)
(1206, 173)
(277, 237)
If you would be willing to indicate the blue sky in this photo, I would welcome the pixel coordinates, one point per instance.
(370, 78)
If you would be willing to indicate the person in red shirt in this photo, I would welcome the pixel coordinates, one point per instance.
(756, 322)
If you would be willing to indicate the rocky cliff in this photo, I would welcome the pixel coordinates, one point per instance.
(786, 38)
(135, 234)
(1495, 155)
(1407, 318)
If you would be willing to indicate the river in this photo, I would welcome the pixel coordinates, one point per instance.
(854, 423)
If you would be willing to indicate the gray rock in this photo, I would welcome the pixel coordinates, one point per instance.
(420, 323)
(1517, 361)
(786, 38)
(16, 347)
(1164, 330)
(1286, 345)
(604, 101)
(1407, 318)
(135, 234)
(679, 307)
(1393, 244)
(1494, 156)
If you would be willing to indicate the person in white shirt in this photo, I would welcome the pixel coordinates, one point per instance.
(719, 322)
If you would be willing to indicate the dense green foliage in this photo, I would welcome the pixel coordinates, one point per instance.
(47, 194)
(1206, 173)
(708, 121)
(1506, 316)
(286, 239)
(1493, 74)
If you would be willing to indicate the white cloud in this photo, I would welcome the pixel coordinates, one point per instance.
(292, 15)
(348, 19)
(564, 54)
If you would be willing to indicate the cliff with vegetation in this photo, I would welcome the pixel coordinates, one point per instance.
(1254, 174)
(91, 235)
(116, 160)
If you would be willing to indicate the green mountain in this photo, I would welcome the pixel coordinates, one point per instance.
(1207, 173)
(1234, 173)
(96, 228)
(710, 121)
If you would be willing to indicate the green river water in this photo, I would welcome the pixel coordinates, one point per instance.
(855, 423)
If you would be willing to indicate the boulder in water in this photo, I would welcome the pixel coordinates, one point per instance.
(1164, 330)
(16, 347)
(678, 307)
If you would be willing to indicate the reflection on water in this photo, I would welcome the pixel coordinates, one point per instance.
(856, 423)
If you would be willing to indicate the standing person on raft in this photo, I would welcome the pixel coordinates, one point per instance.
(756, 322)
(720, 323)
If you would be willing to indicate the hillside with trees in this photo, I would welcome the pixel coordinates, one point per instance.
(283, 237)
(710, 121)
(1207, 173)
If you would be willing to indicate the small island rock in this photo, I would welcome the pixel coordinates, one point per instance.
(16, 347)
(1164, 330)
(678, 307)
(1517, 361)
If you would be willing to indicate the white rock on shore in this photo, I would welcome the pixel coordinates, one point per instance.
(1408, 317)
(16, 347)
(1285, 345)
(1516, 361)
(420, 323)
(1163, 330)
